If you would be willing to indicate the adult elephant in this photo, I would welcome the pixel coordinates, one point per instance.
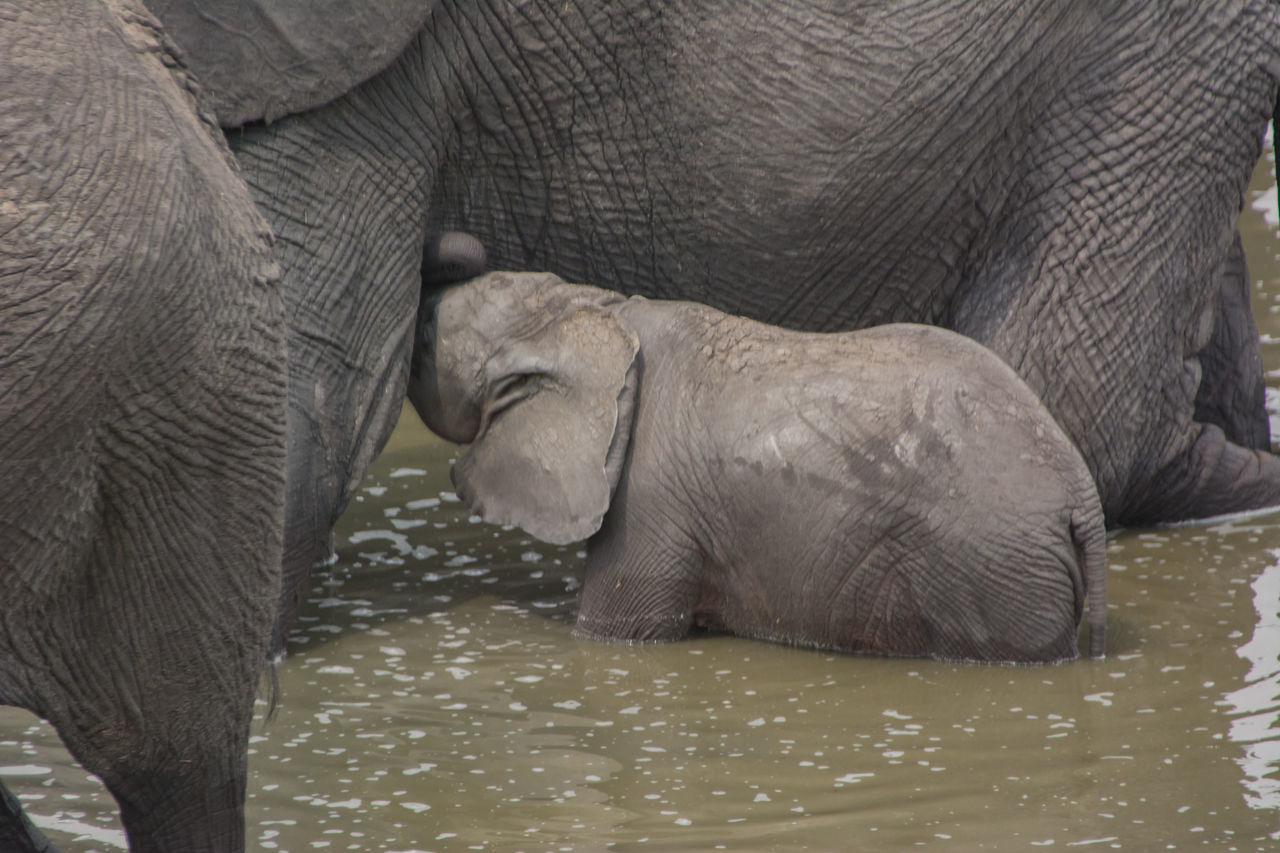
(142, 423)
(1058, 181)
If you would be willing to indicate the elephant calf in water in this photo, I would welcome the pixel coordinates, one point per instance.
(897, 490)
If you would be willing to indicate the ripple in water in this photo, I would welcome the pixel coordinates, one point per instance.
(1255, 708)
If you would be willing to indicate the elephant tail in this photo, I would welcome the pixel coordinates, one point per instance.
(1090, 537)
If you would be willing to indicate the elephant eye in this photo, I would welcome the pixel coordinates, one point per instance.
(510, 390)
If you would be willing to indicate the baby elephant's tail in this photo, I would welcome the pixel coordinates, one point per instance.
(1090, 537)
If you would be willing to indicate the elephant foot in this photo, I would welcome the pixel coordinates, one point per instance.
(1215, 477)
(203, 816)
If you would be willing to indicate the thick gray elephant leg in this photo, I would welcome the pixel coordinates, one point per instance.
(1232, 393)
(148, 665)
(1133, 416)
(1214, 476)
(17, 833)
(345, 188)
(1106, 272)
(142, 421)
(138, 603)
(139, 599)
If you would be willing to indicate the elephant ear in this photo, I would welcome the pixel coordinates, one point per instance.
(554, 425)
(258, 60)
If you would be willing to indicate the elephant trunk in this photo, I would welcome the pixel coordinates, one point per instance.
(424, 383)
(459, 420)
(450, 258)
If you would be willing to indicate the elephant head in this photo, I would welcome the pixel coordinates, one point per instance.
(499, 366)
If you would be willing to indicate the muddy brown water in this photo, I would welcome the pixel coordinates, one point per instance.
(435, 701)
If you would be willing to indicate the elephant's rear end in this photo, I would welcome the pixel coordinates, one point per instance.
(975, 583)
(953, 518)
(1033, 517)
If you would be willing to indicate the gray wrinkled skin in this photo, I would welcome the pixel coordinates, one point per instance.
(142, 423)
(895, 491)
(262, 59)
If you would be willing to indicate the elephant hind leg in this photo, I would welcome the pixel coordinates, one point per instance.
(966, 606)
(1232, 392)
(170, 751)
(1215, 477)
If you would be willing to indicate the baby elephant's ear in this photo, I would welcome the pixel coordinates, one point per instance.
(554, 402)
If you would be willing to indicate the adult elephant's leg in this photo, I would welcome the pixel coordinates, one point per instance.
(1232, 394)
(145, 652)
(142, 405)
(141, 492)
(1109, 256)
(344, 188)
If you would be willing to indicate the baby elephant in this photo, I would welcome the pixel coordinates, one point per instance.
(895, 491)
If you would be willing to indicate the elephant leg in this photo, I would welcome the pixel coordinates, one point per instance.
(138, 608)
(1108, 278)
(17, 832)
(641, 583)
(142, 421)
(179, 784)
(1214, 476)
(642, 597)
(140, 628)
(1133, 416)
(1232, 394)
(153, 696)
(344, 187)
